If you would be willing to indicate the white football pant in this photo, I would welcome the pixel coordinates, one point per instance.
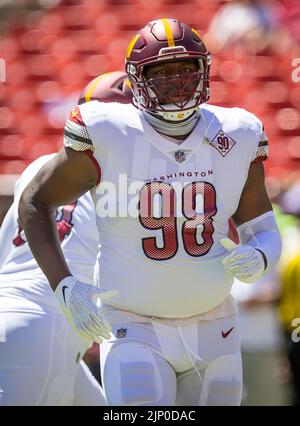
(161, 364)
(40, 361)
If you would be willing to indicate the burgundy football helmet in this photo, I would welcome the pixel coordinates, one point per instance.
(110, 87)
(167, 40)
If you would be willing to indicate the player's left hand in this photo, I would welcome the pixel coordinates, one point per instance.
(244, 262)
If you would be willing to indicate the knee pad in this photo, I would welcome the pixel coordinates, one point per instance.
(138, 382)
(223, 381)
(224, 392)
(131, 376)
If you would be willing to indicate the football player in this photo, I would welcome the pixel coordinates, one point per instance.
(165, 176)
(40, 356)
(40, 353)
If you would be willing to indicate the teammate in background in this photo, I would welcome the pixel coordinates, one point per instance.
(40, 356)
(109, 87)
(165, 178)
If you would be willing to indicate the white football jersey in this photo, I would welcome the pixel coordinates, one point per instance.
(20, 276)
(163, 207)
(6, 234)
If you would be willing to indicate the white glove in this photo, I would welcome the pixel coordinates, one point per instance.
(244, 262)
(82, 305)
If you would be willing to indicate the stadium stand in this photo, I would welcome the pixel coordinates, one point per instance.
(53, 51)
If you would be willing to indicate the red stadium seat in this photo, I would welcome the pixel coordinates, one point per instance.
(12, 167)
(52, 23)
(295, 96)
(288, 121)
(12, 147)
(17, 73)
(63, 49)
(230, 71)
(9, 48)
(276, 94)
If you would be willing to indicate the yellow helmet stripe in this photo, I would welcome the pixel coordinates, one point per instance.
(128, 84)
(196, 32)
(131, 44)
(169, 32)
(90, 90)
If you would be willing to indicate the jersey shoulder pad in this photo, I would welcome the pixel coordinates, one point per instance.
(241, 125)
(254, 125)
(112, 113)
(248, 120)
(233, 118)
(76, 135)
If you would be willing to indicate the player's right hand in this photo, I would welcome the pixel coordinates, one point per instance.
(82, 304)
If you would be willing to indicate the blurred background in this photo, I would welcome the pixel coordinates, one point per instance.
(50, 49)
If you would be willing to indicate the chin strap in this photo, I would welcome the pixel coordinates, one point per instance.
(175, 115)
(177, 128)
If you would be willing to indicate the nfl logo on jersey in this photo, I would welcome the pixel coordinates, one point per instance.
(179, 156)
(121, 332)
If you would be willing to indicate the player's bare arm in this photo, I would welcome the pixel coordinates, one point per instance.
(62, 180)
(254, 200)
(258, 231)
(65, 178)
